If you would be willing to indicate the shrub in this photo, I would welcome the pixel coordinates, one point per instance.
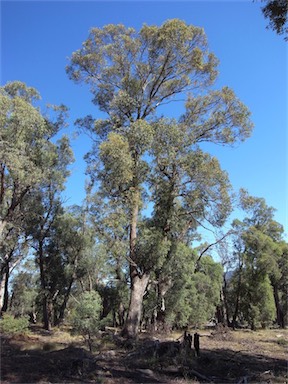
(9, 324)
(85, 318)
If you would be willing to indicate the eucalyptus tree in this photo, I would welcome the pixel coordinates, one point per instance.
(69, 243)
(131, 75)
(110, 222)
(13, 250)
(265, 241)
(28, 157)
(25, 146)
(257, 286)
(195, 296)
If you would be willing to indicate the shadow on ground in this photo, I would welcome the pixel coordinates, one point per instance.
(76, 365)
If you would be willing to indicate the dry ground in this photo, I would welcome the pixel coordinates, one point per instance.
(226, 357)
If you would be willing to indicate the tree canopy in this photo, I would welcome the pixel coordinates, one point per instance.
(142, 156)
(132, 255)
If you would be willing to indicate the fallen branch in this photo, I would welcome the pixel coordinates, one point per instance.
(200, 376)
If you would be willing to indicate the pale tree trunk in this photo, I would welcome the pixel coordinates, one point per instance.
(163, 286)
(138, 287)
(2, 227)
(2, 289)
(139, 281)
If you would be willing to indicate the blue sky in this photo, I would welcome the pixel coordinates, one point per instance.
(38, 37)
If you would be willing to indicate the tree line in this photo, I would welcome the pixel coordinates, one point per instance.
(129, 248)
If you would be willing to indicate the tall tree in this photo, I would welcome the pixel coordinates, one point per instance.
(259, 250)
(28, 157)
(25, 146)
(130, 75)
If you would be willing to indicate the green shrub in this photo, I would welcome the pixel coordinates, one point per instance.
(9, 324)
(86, 316)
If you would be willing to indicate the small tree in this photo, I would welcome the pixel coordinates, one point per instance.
(86, 317)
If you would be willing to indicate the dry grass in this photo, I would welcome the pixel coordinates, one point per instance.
(226, 357)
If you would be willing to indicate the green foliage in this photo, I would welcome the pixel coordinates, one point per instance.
(142, 158)
(115, 155)
(29, 158)
(256, 290)
(10, 324)
(276, 12)
(226, 117)
(151, 249)
(193, 298)
(86, 316)
(266, 304)
(147, 68)
(24, 292)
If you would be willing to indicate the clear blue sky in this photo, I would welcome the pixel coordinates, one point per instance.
(38, 37)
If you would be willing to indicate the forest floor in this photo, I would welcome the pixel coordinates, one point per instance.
(226, 356)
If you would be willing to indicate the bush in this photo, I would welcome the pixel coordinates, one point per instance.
(86, 316)
(10, 325)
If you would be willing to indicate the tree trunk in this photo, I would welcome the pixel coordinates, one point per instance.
(224, 304)
(6, 291)
(4, 281)
(2, 289)
(2, 227)
(139, 281)
(60, 318)
(45, 301)
(138, 287)
(238, 293)
(279, 309)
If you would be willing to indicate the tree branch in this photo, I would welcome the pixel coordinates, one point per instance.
(211, 245)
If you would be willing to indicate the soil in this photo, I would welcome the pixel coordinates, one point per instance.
(226, 356)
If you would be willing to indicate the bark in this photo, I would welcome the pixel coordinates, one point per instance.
(138, 287)
(45, 300)
(138, 281)
(2, 289)
(6, 291)
(238, 293)
(223, 314)
(4, 281)
(68, 291)
(3, 224)
(279, 309)
(61, 316)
